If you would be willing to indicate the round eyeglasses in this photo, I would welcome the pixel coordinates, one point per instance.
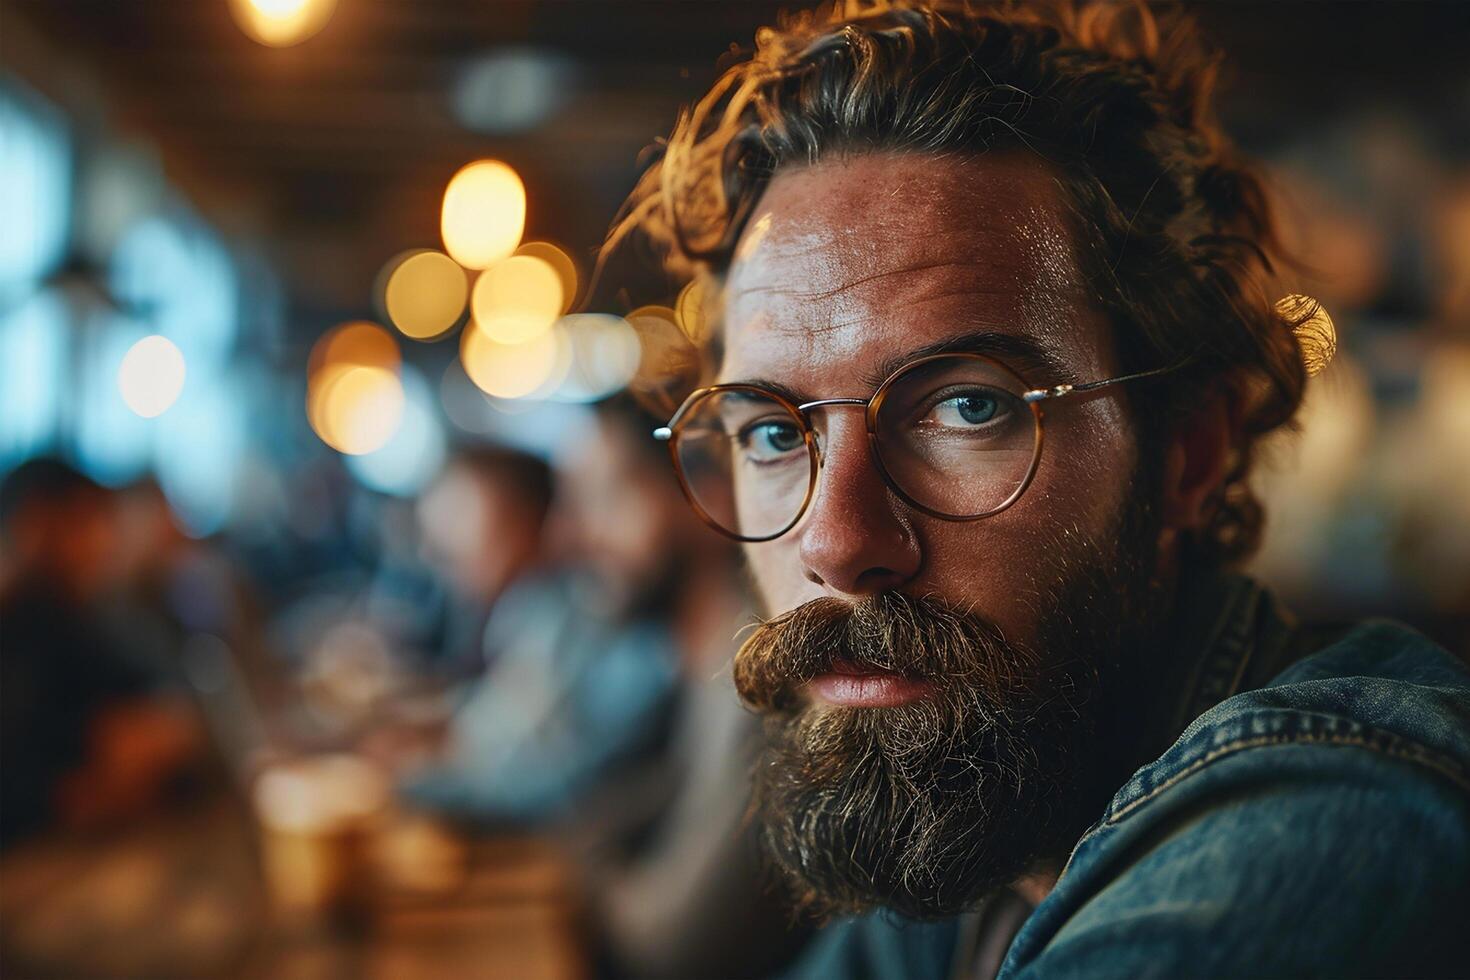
(956, 436)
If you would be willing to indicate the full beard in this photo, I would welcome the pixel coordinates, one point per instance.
(928, 806)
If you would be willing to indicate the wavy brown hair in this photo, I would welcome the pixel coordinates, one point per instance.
(1175, 231)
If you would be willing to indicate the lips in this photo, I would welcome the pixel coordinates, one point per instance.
(851, 686)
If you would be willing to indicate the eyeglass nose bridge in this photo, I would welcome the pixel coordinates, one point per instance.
(805, 409)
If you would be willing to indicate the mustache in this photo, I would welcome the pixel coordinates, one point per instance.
(918, 637)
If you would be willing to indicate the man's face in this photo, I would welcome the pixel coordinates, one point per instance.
(847, 268)
(847, 265)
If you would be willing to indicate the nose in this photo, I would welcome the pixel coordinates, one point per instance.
(857, 539)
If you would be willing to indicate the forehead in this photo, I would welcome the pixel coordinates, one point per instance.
(850, 263)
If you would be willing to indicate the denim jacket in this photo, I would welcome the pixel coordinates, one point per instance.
(1312, 819)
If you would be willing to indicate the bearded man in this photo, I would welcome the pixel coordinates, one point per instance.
(999, 328)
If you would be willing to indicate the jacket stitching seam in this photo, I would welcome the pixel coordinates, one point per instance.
(1421, 756)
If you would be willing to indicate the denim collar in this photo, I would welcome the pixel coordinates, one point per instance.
(1227, 635)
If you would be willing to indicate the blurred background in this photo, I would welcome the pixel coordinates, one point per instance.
(339, 640)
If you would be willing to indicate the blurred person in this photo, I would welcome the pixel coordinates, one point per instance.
(405, 595)
(942, 230)
(690, 895)
(482, 524)
(88, 734)
(481, 532)
(169, 587)
(579, 675)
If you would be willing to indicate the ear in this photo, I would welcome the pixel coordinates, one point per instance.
(1198, 456)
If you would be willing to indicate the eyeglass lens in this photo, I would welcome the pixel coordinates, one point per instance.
(953, 435)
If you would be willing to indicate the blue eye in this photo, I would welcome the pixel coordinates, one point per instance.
(766, 442)
(970, 409)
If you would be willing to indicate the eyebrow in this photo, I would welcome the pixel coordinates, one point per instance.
(1020, 353)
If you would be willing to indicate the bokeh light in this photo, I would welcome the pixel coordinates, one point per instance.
(562, 263)
(425, 294)
(316, 792)
(356, 409)
(111, 442)
(35, 349)
(358, 342)
(517, 299)
(151, 376)
(604, 356)
(354, 397)
(35, 179)
(484, 214)
(118, 186)
(691, 310)
(466, 406)
(561, 365)
(200, 448)
(509, 370)
(653, 316)
(668, 362)
(282, 23)
(539, 427)
(177, 269)
(414, 453)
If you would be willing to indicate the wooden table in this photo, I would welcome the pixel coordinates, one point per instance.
(181, 896)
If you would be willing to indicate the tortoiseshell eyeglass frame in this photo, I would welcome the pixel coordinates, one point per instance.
(800, 413)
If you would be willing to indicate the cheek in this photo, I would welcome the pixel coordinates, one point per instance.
(1001, 566)
(776, 569)
(1088, 460)
(998, 567)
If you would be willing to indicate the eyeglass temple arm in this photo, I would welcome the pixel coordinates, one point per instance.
(664, 432)
(1059, 391)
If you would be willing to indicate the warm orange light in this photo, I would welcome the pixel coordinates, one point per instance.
(691, 310)
(425, 294)
(484, 214)
(313, 794)
(356, 409)
(562, 263)
(354, 398)
(509, 370)
(358, 342)
(604, 356)
(151, 376)
(667, 359)
(516, 299)
(659, 335)
(282, 23)
(654, 312)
